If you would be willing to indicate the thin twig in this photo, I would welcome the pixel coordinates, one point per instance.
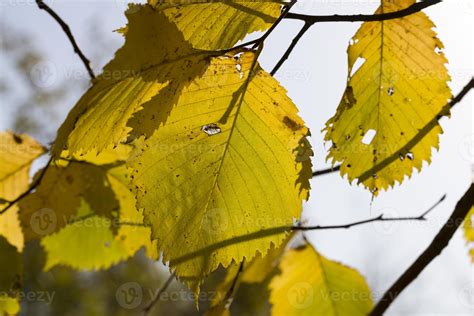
(33, 186)
(326, 171)
(434, 249)
(67, 30)
(155, 299)
(310, 20)
(290, 48)
(414, 8)
(231, 291)
(379, 218)
(259, 41)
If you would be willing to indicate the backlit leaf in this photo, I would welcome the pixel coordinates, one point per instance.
(159, 58)
(231, 161)
(214, 25)
(310, 284)
(17, 153)
(93, 242)
(400, 88)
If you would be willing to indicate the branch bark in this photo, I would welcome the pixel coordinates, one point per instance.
(310, 20)
(434, 249)
(414, 8)
(67, 30)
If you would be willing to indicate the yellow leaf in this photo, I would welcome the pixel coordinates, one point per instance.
(400, 88)
(231, 161)
(214, 25)
(256, 271)
(17, 153)
(469, 232)
(11, 267)
(149, 72)
(91, 242)
(310, 284)
(10, 228)
(58, 197)
(9, 306)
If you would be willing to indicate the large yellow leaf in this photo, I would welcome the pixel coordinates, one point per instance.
(231, 160)
(213, 25)
(397, 91)
(147, 74)
(17, 153)
(469, 232)
(310, 284)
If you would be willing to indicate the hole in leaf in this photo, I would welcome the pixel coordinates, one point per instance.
(211, 129)
(357, 64)
(369, 137)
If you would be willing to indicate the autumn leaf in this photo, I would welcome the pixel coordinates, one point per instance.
(11, 266)
(310, 284)
(161, 55)
(17, 153)
(231, 161)
(398, 90)
(218, 25)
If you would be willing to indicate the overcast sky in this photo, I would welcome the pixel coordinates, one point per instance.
(315, 77)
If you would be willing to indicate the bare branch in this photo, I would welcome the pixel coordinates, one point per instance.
(326, 171)
(155, 299)
(414, 8)
(259, 41)
(290, 48)
(310, 20)
(434, 249)
(379, 218)
(67, 30)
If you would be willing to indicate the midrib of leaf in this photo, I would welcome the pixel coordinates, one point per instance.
(239, 106)
(379, 87)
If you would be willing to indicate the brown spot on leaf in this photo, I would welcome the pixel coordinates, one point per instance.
(291, 124)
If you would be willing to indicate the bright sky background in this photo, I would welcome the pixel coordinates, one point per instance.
(315, 77)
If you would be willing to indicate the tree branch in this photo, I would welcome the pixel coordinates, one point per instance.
(414, 8)
(67, 30)
(259, 41)
(379, 218)
(434, 249)
(310, 20)
(155, 299)
(326, 171)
